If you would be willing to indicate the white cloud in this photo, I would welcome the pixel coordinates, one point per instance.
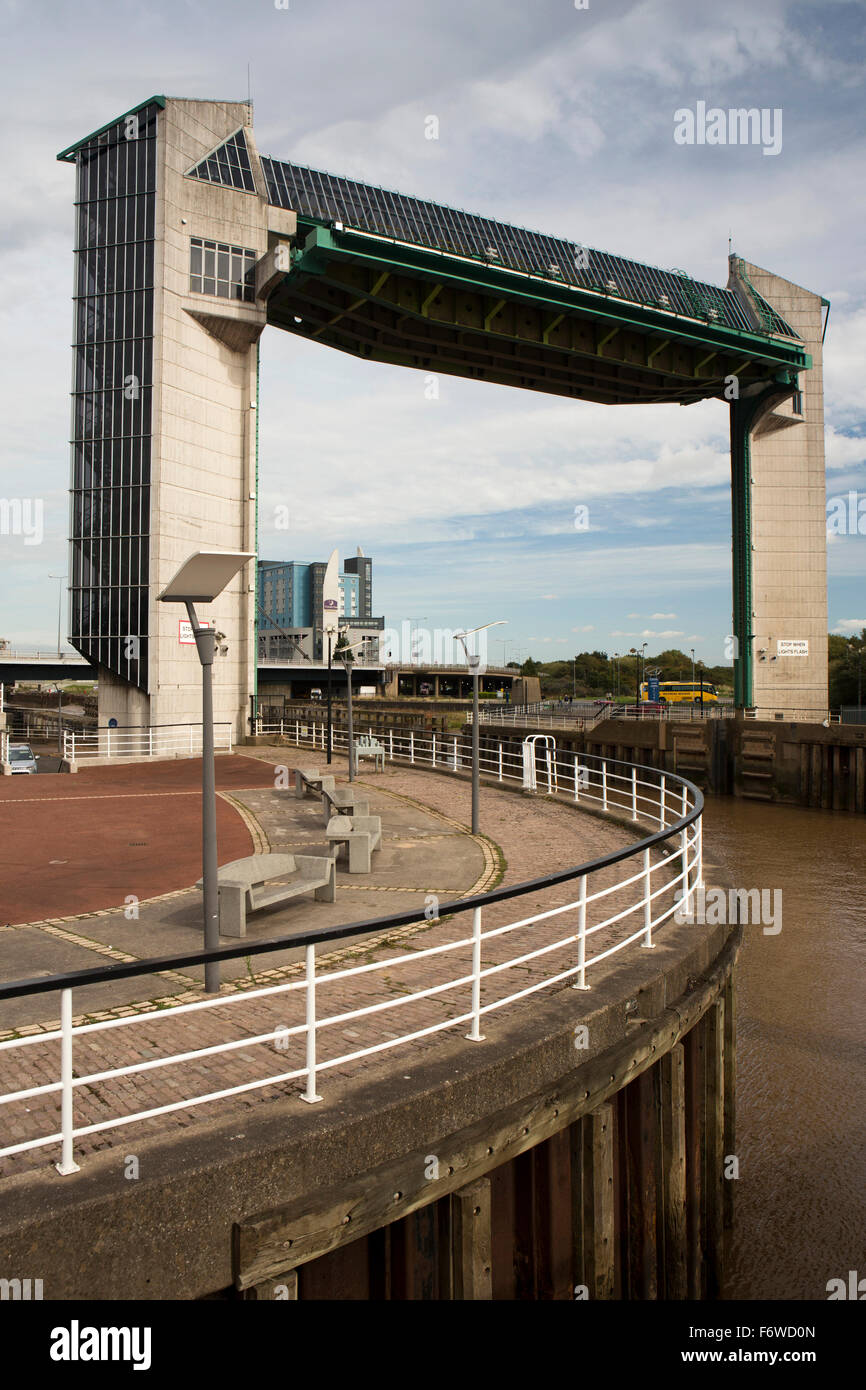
(648, 632)
(850, 627)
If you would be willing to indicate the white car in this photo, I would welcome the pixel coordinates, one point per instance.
(21, 758)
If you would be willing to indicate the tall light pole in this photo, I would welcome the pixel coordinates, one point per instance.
(346, 655)
(693, 670)
(329, 633)
(201, 579)
(59, 604)
(473, 660)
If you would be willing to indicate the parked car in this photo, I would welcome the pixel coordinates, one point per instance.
(21, 758)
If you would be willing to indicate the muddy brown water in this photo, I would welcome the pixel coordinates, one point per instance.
(800, 1201)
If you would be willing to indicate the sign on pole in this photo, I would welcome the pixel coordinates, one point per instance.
(185, 634)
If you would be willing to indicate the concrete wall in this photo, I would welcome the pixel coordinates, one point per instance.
(203, 484)
(789, 546)
(203, 488)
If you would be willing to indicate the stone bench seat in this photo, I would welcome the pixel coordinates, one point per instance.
(343, 801)
(245, 885)
(361, 835)
(309, 781)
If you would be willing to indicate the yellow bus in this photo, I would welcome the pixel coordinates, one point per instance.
(682, 692)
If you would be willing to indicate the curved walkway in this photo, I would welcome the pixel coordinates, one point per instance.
(424, 819)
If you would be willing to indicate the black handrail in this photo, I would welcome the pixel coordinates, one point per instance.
(15, 989)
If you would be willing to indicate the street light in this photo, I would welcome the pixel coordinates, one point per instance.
(330, 631)
(201, 579)
(473, 660)
(346, 656)
(59, 604)
(693, 672)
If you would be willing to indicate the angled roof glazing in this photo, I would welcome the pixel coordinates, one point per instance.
(327, 198)
(228, 165)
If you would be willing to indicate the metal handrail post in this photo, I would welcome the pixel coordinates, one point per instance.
(67, 1163)
(310, 1095)
(475, 1034)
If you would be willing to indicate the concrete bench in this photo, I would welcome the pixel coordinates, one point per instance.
(360, 834)
(367, 747)
(245, 885)
(309, 779)
(343, 801)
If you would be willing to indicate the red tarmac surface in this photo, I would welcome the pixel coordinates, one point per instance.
(72, 844)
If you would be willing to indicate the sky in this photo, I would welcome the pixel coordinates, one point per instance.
(550, 116)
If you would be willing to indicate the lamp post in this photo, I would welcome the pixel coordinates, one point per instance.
(201, 579)
(633, 651)
(61, 577)
(59, 721)
(329, 633)
(693, 668)
(473, 661)
(346, 655)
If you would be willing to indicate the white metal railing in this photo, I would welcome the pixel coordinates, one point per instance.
(296, 1031)
(546, 717)
(152, 741)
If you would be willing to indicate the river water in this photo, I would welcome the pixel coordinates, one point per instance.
(800, 1201)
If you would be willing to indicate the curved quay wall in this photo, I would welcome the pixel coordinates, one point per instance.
(578, 1150)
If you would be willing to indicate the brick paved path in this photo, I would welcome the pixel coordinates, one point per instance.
(533, 835)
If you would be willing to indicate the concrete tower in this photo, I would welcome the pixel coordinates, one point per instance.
(172, 217)
(780, 572)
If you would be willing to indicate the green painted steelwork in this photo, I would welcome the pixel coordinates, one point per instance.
(69, 153)
(324, 245)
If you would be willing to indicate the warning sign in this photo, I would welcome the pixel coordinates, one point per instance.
(185, 633)
(788, 646)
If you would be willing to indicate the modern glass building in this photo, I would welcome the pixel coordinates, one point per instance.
(362, 566)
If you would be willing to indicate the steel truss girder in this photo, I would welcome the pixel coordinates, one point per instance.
(359, 320)
(347, 261)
